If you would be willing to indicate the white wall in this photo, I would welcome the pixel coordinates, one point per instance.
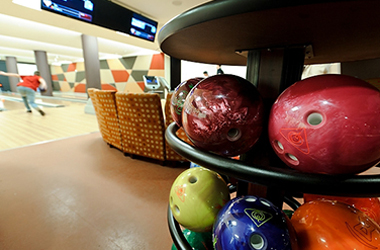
(192, 69)
(320, 69)
(25, 69)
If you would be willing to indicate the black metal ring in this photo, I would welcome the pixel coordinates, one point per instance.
(179, 239)
(279, 178)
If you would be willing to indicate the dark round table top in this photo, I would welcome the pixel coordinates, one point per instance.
(216, 32)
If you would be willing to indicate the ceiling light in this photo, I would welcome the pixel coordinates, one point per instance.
(32, 4)
(177, 2)
(122, 33)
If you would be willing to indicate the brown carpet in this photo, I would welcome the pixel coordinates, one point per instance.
(78, 193)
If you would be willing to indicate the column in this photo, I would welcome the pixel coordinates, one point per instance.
(44, 69)
(175, 72)
(91, 61)
(11, 63)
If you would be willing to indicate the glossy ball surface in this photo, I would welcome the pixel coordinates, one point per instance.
(179, 97)
(370, 206)
(198, 241)
(327, 124)
(223, 114)
(253, 223)
(326, 224)
(196, 197)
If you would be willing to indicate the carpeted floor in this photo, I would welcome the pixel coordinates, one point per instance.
(78, 193)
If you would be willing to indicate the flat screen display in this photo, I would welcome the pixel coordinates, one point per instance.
(79, 9)
(106, 14)
(143, 27)
(151, 80)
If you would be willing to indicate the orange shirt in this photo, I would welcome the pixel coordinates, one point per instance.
(30, 82)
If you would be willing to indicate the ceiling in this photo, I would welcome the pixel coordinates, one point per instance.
(26, 29)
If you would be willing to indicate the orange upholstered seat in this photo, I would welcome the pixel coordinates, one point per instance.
(105, 108)
(141, 124)
(101, 121)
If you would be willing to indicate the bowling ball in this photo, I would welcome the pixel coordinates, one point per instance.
(327, 124)
(193, 165)
(370, 206)
(196, 197)
(179, 96)
(288, 213)
(253, 223)
(324, 224)
(223, 114)
(197, 241)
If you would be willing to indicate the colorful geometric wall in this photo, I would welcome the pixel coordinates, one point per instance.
(124, 74)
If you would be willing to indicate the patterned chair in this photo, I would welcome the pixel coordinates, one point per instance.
(101, 120)
(171, 155)
(105, 107)
(141, 124)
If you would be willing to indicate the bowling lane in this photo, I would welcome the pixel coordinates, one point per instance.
(13, 101)
(7, 105)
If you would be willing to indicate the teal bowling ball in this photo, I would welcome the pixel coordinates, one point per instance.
(198, 240)
(288, 213)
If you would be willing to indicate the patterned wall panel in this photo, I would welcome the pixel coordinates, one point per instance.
(115, 64)
(142, 62)
(80, 66)
(128, 62)
(120, 75)
(157, 62)
(106, 76)
(124, 74)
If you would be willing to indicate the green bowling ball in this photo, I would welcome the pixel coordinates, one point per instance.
(198, 241)
(289, 213)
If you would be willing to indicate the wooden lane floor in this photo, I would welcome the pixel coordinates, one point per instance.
(19, 128)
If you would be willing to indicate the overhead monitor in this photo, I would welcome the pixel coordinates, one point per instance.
(78, 9)
(143, 27)
(106, 14)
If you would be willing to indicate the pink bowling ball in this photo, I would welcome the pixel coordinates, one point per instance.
(327, 124)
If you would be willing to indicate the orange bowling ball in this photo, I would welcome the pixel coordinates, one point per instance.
(370, 206)
(324, 224)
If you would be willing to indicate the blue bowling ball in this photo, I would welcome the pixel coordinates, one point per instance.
(253, 223)
(193, 165)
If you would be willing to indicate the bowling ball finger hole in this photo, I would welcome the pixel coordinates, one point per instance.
(176, 210)
(251, 199)
(278, 147)
(257, 241)
(233, 134)
(265, 203)
(193, 179)
(314, 119)
(291, 159)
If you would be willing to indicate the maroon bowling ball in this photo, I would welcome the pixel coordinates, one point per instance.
(223, 114)
(327, 124)
(179, 97)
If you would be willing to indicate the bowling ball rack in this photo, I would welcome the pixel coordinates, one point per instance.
(274, 39)
(277, 177)
(179, 239)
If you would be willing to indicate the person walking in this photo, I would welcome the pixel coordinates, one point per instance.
(219, 70)
(27, 89)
